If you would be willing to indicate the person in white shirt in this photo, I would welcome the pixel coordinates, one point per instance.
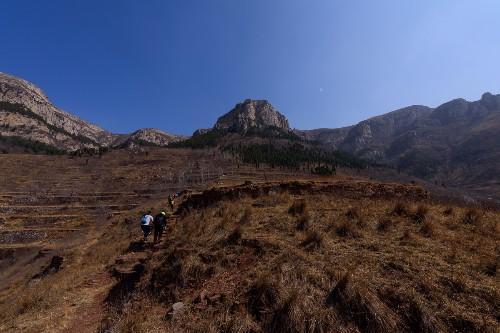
(147, 225)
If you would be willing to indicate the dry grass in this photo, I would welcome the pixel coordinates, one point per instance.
(472, 216)
(286, 281)
(401, 209)
(361, 305)
(298, 207)
(420, 215)
(348, 229)
(448, 211)
(303, 222)
(258, 274)
(428, 228)
(313, 240)
(385, 225)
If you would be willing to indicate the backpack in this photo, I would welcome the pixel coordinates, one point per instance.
(144, 220)
(159, 220)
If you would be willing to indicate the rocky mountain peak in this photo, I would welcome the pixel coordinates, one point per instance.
(250, 114)
(27, 114)
(490, 101)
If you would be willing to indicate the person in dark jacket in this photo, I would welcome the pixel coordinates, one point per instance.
(159, 223)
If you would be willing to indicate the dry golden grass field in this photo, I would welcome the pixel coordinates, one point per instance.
(283, 253)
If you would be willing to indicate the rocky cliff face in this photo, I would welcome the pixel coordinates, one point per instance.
(457, 142)
(252, 114)
(27, 114)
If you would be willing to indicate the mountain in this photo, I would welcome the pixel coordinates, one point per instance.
(30, 122)
(457, 143)
(252, 114)
(147, 137)
(26, 112)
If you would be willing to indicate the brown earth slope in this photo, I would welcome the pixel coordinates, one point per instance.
(341, 256)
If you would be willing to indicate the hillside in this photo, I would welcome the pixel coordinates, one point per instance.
(455, 144)
(29, 122)
(286, 252)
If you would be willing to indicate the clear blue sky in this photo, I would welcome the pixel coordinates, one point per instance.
(179, 64)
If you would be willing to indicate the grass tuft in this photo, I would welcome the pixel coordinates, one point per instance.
(472, 216)
(303, 222)
(314, 240)
(400, 209)
(360, 305)
(420, 215)
(348, 229)
(428, 228)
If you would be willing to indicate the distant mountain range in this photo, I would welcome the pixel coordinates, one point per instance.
(456, 144)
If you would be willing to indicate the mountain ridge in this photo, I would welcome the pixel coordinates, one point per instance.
(28, 114)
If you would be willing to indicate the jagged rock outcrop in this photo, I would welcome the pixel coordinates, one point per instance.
(252, 114)
(201, 131)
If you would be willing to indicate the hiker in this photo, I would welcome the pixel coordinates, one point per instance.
(159, 223)
(146, 224)
(171, 202)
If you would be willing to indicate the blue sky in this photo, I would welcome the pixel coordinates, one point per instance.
(179, 64)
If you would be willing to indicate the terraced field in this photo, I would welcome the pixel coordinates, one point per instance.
(52, 203)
